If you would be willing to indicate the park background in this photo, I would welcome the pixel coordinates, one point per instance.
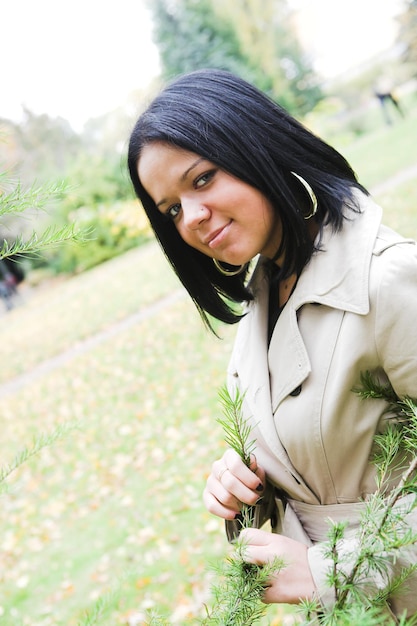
(103, 355)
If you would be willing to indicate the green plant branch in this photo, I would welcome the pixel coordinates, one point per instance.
(19, 200)
(51, 237)
(41, 441)
(239, 592)
(236, 429)
(237, 435)
(384, 530)
(238, 595)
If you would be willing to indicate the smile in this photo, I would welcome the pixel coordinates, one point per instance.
(216, 239)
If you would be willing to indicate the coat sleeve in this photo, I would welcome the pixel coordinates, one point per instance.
(395, 302)
(394, 306)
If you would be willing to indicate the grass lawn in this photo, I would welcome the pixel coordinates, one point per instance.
(109, 519)
(377, 156)
(83, 306)
(117, 502)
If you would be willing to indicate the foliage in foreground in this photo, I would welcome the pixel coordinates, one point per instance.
(238, 594)
(15, 200)
(384, 530)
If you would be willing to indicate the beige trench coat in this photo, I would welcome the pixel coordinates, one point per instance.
(354, 309)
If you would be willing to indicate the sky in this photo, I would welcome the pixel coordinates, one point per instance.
(82, 58)
(342, 34)
(76, 59)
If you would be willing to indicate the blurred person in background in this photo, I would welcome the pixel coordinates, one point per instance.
(384, 92)
(11, 275)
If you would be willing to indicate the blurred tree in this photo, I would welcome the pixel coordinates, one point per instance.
(98, 194)
(407, 35)
(252, 38)
(264, 29)
(191, 35)
(95, 180)
(39, 147)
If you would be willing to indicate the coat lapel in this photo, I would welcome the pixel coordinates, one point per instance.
(288, 360)
(252, 369)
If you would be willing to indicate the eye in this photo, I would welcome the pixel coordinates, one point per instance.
(204, 179)
(173, 211)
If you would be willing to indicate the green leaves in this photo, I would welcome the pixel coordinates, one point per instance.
(238, 594)
(51, 237)
(384, 532)
(15, 200)
(236, 430)
(255, 40)
(41, 441)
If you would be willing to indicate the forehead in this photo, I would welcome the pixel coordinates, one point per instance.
(156, 157)
(162, 165)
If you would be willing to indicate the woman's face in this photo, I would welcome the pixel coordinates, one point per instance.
(213, 211)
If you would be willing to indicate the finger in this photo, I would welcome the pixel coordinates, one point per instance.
(253, 463)
(237, 489)
(259, 471)
(232, 459)
(258, 555)
(261, 547)
(229, 462)
(215, 507)
(243, 473)
(222, 493)
(256, 537)
(218, 468)
(269, 595)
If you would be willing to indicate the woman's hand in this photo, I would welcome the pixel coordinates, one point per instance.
(230, 483)
(294, 582)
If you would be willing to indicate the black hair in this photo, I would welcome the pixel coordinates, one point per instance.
(231, 123)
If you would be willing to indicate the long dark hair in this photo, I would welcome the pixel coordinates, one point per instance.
(234, 125)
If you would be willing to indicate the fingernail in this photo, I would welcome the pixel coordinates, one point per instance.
(239, 517)
(259, 500)
(260, 487)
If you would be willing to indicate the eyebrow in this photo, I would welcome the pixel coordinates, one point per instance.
(183, 177)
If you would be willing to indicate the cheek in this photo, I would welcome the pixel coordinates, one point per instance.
(188, 236)
(268, 217)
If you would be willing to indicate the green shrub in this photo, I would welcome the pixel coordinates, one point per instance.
(114, 229)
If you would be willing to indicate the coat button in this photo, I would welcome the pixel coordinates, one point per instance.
(296, 391)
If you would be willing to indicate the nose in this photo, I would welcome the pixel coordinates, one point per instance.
(194, 213)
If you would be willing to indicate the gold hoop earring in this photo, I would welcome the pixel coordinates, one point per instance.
(311, 194)
(225, 272)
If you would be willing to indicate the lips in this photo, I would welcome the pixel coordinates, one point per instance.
(216, 237)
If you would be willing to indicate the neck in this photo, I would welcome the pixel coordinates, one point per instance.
(286, 287)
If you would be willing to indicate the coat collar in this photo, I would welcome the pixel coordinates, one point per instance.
(338, 274)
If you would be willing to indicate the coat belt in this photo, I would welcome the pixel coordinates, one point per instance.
(316, 519)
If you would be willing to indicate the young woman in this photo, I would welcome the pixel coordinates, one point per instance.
(225, 175)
